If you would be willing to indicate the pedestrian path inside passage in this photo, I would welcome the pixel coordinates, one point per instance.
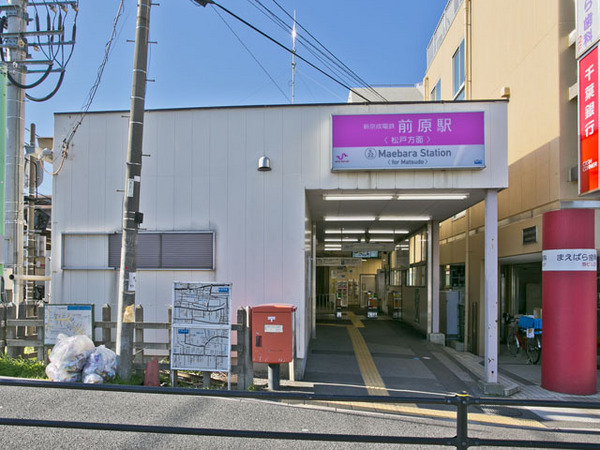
(351, 356)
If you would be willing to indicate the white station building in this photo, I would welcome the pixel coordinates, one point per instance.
(211, 215)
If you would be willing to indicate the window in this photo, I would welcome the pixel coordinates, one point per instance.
(417, 276)
(458, 72)
(452, 276)
(417, 258)
(168, 250)
(436, 92)
(417, 248)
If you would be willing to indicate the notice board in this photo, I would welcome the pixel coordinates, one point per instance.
(201, 328)
(69, 320)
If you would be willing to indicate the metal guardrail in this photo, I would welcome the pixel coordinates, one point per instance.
(460, 401)
(452, 8)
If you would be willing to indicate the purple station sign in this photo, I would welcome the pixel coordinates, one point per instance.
(452, 140)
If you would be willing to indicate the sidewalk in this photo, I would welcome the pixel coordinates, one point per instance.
(358, 357)
(405, 363)
(521, 379)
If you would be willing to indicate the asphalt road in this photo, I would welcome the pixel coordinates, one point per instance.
(218, 413)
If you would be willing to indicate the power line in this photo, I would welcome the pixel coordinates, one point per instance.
(253, 57)
(327, 58)
(205, 2)
(94, 89)
(55, 26)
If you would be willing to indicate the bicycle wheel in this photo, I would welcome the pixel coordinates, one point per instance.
(513, 344)
(533, 350)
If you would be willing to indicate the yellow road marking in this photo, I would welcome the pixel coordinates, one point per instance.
(355, 320)
(370, 375)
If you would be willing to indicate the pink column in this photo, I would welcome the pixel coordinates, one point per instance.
(569, 302)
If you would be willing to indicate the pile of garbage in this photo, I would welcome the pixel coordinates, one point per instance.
(75, 358)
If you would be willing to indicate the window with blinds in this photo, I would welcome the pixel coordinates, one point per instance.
(168, 250)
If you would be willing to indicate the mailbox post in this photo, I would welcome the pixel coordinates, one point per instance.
(273, 337)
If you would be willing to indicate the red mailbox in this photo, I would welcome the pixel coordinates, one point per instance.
(273, 333)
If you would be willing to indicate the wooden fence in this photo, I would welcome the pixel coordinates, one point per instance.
(24, 327)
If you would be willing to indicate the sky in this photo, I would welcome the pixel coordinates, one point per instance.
(201, 56)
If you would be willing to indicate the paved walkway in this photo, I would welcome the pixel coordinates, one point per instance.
(358, 356)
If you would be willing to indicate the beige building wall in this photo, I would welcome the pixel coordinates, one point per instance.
(521, 49)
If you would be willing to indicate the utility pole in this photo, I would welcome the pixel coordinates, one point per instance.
(132, 218)
(15, 158)
(31, 234)
(294, 60)
(3, 80)
(15, 58)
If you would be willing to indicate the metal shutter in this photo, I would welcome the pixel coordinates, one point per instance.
(188, 251)
(148, 256)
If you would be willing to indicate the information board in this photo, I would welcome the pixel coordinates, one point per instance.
(201, 328)
(69, 320)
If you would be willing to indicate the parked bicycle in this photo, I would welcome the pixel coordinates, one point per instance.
(523, 335)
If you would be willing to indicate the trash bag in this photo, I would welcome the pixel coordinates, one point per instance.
(68, 357)
(101, 365)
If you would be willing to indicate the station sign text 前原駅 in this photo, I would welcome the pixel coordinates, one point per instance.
(449, 140)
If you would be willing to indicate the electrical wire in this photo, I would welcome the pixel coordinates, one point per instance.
(10, 78)
(57, 23)
(253, 57)
(211, 2)
(328, 54)
(93, 90)
(52, 93)
(324, 55)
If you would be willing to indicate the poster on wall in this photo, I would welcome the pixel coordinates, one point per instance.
(449, 140)
(588, 122)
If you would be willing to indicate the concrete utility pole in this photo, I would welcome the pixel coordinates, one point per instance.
(132, 218)
(15, 157)
(31, 234)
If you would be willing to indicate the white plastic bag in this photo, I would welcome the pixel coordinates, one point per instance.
(68, 357)
(101, 364)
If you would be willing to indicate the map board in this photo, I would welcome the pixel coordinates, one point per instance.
(70, 320)
(201, 328)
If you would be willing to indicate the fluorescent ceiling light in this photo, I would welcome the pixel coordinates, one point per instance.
(388, 231)
(343, 231)
(342, 197)
(349, 218)
(333, 249)
(381, 240)
(458, 196)
(346, 239)
(404, 218)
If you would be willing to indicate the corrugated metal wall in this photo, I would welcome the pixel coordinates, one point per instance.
(201, 175)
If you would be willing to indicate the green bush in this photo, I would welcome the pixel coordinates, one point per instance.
(21, 368)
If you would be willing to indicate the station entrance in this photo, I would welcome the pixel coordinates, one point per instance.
(377, 256)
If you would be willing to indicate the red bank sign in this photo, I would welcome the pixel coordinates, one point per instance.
(588, 122)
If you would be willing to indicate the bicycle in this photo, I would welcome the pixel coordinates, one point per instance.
(519, 337)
